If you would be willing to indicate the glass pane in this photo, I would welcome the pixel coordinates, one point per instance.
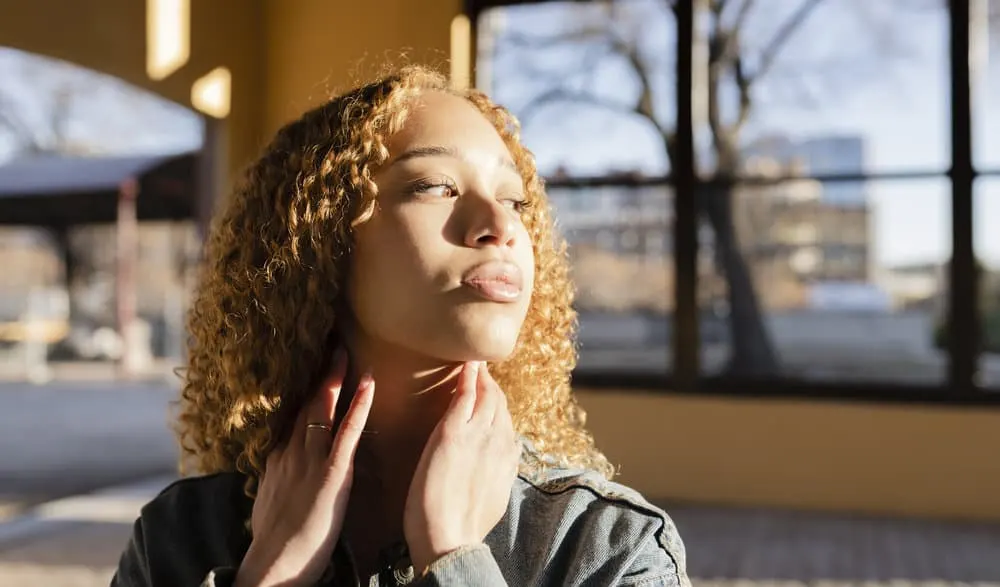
(592, 83)
(986, 81)
(826, 87)
(803, 286)
(987, 242)
(621, 250)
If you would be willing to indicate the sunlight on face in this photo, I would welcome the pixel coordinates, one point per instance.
(445, 267)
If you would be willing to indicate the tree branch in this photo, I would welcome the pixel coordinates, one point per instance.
(773, 48)
(644, 105)
(744, 90)
(539, 42)
(741, 18)
(565, 95)
(21, 130)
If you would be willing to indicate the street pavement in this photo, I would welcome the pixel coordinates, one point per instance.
(67, 438)
(62, 446)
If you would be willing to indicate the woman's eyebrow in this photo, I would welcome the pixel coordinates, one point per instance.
(442, 151)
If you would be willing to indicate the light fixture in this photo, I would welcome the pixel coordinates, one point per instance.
(461, 51)
(210, 93)
(168, 36)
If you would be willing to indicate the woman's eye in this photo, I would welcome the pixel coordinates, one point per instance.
(516, 204)
(436, 190)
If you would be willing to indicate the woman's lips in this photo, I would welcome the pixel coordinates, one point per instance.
(495, 291)
(496, 281)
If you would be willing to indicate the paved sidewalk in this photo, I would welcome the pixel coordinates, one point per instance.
(84, 557)
(68, 438)
(76, 542)
(765, 545)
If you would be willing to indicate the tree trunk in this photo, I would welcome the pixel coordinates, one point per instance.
(752, 353)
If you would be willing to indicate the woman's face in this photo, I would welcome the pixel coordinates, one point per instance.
(445, 266)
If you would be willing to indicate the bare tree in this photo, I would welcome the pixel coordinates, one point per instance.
(37, 103)
(734, 69)
(53, 106)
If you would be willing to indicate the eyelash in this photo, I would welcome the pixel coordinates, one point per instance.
(519, 206)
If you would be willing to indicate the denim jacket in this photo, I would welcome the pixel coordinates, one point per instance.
(562, 527)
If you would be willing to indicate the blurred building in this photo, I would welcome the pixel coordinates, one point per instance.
(622, 220)
(621, 245)
(802, 238)
(916, 286)
(796, 238)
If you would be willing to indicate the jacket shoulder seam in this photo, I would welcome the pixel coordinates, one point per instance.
(626, 502)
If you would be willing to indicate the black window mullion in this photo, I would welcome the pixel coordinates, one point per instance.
(686, 346)
(963, 313)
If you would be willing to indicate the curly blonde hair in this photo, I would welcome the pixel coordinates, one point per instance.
(262, 323)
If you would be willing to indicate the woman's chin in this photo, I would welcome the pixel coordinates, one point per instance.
(494, 355)
(460, 338)
(495, 343)
(483, 350)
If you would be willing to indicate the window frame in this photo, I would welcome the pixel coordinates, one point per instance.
(959, 387)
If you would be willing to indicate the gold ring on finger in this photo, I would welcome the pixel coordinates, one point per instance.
(319, 426)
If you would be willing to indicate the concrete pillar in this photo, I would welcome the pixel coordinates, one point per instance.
(126, 250)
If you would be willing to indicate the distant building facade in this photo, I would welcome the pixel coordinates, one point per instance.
(798, 235)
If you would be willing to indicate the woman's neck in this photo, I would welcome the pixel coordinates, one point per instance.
(412, 393)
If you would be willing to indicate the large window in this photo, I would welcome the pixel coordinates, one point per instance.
(822, 154)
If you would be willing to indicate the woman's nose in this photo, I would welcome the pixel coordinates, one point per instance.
(491, 223)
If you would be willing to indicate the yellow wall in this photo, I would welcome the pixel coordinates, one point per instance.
(316, 47)
(927, 461)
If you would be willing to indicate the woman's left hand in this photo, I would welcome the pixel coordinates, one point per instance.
(462, 483)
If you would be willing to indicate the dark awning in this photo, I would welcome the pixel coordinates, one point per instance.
(61, 190)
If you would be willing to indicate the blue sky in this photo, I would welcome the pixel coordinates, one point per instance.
(851, 68)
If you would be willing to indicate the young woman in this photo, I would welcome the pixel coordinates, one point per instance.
(378, 383)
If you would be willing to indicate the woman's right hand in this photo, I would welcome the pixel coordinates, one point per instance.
(303, 493)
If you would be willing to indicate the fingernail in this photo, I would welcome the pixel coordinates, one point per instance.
(366, 380)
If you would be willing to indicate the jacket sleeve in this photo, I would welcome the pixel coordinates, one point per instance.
(133, 570)
(467, 566)
(134, 566)
(658, 561)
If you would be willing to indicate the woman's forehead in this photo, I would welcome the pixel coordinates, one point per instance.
(442, 124)
(433, 116)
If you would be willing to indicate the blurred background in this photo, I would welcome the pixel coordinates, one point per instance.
(784, 218)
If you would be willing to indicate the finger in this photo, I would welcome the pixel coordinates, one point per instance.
(506, 437)
(271, 462)
(501, 396)
(486, 397)
(321, 407)
(345, 443)
(464, 401)
(297, 435)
